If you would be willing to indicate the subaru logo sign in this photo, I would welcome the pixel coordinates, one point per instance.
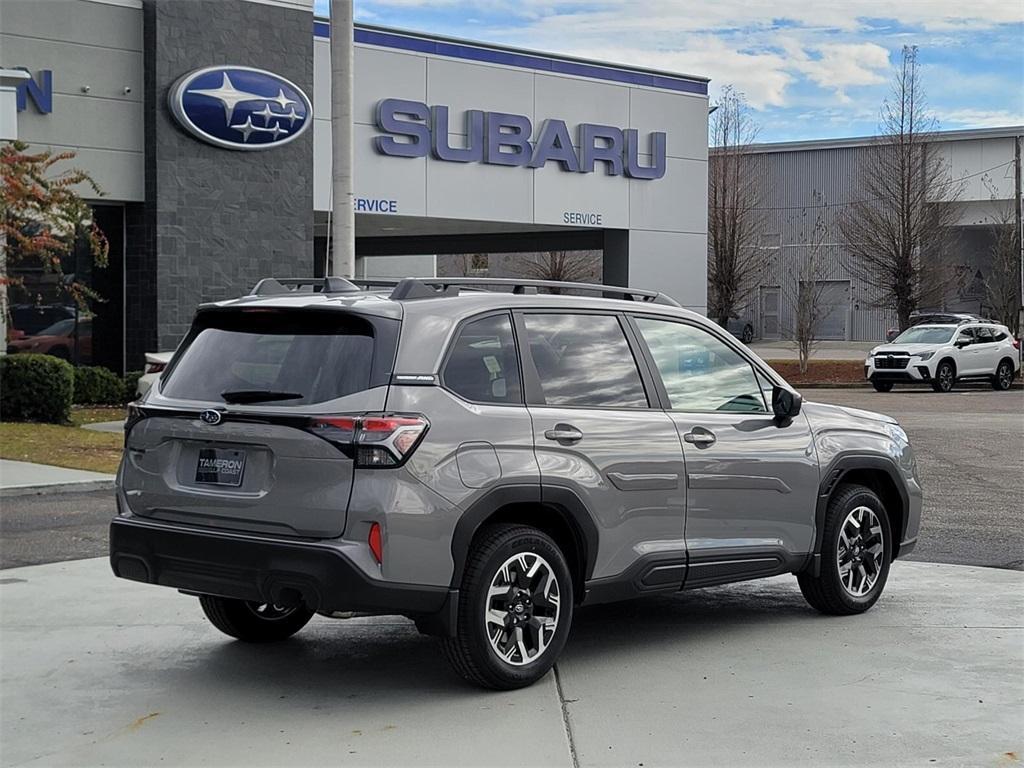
(210, 417)
(240, 107)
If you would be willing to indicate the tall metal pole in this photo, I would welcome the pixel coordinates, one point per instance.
(343, 226)
(1017, 192)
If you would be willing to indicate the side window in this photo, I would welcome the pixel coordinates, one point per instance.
(966, 336)
(700, 372)
(984, 336)
(584, 360)
(482, 365)
(1000, 334)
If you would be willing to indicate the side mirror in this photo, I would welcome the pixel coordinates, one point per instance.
(962, 343)
(785, 403)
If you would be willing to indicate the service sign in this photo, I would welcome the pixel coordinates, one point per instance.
(242, 108)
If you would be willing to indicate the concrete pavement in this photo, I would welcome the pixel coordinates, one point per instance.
(105, 426)
(95, 670)
(23, 477)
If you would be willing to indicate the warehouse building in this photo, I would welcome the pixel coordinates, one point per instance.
(810, 181)
(207, 125)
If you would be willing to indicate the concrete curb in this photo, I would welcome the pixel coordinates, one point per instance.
(54, 488)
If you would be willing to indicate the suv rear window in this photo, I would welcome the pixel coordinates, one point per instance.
(317, 356)
(482, 366)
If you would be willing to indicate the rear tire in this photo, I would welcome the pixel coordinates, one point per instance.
(1004, 376)
(515, 609)
(853, 572)
(254, 622)
(945, 377)
(882, 386)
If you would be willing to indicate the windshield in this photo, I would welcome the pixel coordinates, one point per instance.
(283, 358)
(60, 328)
(925, 335)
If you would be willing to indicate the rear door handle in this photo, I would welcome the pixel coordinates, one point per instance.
(564, 433)
(700, 437)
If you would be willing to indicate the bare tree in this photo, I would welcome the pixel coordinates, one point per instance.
(900, 230)
(1002, 278)
(804, 291)
(734, 194)
(564, 266)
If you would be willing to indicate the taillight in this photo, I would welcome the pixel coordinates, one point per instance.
(155, 367)
(374, 540)
(1016, 344)
(373, 439)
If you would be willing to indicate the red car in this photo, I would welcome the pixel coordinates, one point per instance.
(58, 340)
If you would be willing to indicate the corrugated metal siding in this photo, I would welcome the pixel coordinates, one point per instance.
(799, 188)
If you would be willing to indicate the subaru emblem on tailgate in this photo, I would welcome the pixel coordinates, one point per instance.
(211, 417)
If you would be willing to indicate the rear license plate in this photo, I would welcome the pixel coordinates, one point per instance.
(217, 466)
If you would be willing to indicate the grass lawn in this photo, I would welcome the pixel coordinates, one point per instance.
(90, 414)
(72, 446)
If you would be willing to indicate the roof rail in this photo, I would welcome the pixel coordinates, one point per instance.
(434, 287)
(271, 286)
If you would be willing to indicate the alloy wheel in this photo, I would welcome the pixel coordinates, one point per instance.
(1005, 375)
(860, 552)
(945, 378)
(271, 611)
(522, 608)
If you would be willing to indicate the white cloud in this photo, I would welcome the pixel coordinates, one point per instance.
(694, 15)
(981, 118)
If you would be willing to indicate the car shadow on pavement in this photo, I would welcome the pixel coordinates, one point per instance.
(332, 662)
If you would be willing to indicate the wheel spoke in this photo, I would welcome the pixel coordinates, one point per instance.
(522, 609)
(860, 550)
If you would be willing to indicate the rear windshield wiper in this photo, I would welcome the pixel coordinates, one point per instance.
(258, 396)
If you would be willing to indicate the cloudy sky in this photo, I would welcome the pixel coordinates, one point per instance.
(810, 68)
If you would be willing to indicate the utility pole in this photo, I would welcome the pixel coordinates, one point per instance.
(1020, 227)
(343, 227)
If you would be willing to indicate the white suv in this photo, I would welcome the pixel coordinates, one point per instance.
(944, 353)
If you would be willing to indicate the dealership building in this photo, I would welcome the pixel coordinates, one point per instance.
(207, 126)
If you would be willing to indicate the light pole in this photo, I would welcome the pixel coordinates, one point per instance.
(343, 227)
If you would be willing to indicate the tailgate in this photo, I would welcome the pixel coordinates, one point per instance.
(262, 477)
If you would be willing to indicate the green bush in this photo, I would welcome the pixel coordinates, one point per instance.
(131, 385)
(98, 386)
(36, 388)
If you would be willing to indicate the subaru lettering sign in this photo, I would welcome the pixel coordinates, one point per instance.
(412, 129)
(240, 107)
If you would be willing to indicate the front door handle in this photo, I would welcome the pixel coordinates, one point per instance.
(564, 433)
(700, 437)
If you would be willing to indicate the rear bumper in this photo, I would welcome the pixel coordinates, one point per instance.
(260, 569)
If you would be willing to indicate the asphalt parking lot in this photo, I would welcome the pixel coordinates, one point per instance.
(970, 447)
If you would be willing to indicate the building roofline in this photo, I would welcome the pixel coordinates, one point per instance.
(491, 53)
(1006, 132)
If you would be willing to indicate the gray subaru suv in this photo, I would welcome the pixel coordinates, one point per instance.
(483, 456)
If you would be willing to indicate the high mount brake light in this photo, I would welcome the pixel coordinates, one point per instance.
(378, 439)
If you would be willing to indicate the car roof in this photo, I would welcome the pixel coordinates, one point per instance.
(468, 300)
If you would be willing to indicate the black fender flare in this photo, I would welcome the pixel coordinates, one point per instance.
(840, 466)
(563, 500)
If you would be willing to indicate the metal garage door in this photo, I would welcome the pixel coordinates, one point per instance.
(835, 299)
